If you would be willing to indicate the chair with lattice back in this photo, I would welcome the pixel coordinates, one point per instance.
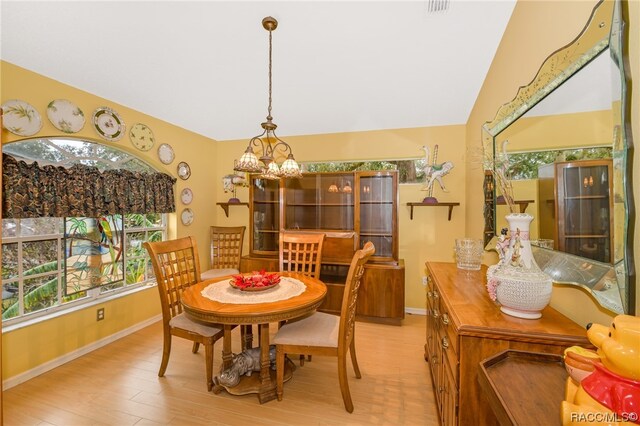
(225, 251)
(177, 267)
(301, 252)
(325, 334)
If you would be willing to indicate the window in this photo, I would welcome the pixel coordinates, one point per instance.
(409, 171)
(524, 165)
(47, 261)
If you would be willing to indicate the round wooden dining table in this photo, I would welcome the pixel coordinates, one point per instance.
(203, 309)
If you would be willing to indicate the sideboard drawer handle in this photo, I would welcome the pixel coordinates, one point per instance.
(436, 314)
(445, 343)
(436, 294)
(445, 319)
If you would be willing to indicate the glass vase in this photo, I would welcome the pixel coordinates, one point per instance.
(516, 283)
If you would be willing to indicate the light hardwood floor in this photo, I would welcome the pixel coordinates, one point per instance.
(118, 385)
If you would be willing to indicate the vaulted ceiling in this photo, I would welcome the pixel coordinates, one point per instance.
(202, 65)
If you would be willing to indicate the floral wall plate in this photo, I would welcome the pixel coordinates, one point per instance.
(186, 217)
(166, 154)
(108, 124)
(141, 137)
(184, 171)
(20, 118)
(186, 196)
(65, 116)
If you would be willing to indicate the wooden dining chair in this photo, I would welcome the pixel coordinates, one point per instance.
(225, 251)
(177, 267)
(301, 252)
(326, 334)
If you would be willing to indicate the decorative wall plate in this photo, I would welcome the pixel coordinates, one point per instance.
(186, 217)
(108, 124)
(166, 154)
(141, 137)
(184, 171)
(20, 118)
(65, 116)
(186, 196)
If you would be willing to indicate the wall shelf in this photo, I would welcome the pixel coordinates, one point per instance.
(450, 205)
(523, 204)
(225, 206)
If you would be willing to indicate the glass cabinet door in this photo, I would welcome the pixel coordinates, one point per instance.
(377, 212)
(265, 211)
(584, 209)
(320, 201)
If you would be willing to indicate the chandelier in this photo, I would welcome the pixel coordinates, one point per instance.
(267, 142)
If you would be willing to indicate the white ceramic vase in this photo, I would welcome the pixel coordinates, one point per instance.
(516, 282)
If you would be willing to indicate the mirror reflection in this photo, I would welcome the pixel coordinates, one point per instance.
(566, 147)
(560, 156)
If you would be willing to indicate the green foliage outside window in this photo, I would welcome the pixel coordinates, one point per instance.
(525, 165)
(409, 171)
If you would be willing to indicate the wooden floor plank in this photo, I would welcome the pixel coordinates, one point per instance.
(118, 385)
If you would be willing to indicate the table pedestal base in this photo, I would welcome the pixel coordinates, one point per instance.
(253, 384)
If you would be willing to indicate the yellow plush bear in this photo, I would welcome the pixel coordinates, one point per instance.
(610, 395)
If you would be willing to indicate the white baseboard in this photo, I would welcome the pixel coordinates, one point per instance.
(415, 311)
(50, 365)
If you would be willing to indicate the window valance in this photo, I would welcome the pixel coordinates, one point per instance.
(31, 190)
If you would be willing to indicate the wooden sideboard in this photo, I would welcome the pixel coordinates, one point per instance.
(464, 327)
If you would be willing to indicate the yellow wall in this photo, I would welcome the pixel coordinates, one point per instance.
(28, 347)
(31, 346)
(535, 30)
(562, 131)
(429, 235)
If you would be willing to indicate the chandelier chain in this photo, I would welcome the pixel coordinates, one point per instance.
(269, 109)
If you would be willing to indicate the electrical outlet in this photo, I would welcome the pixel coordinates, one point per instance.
(425, 280)
(100, 314)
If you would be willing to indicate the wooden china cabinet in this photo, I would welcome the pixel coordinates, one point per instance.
(350, 208)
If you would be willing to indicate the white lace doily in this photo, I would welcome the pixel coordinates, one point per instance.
(222, 292)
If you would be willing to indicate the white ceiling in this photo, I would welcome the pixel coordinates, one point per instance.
(202, 65)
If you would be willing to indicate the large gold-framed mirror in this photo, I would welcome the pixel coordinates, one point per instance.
(570, 127)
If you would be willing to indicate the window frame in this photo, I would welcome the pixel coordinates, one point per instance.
(91, 295)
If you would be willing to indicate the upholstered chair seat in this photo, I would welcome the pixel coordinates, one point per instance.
(319, 329)
(184, 323)
(215, 273)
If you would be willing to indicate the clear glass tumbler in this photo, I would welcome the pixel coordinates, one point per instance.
(469, 253)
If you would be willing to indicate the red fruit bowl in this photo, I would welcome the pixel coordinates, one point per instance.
(257, 281)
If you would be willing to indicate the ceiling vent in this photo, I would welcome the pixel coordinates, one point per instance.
(437, 6)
